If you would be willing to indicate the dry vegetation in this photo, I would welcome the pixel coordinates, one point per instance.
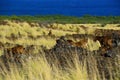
(38, 68)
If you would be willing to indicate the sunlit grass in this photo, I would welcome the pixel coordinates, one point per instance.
(26, 34)
(39, 68)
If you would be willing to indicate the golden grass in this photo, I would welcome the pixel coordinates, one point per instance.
(40, 69)
(27, 34)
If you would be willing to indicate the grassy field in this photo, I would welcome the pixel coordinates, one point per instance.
(37, 34)
(35, 31)
(40, 69)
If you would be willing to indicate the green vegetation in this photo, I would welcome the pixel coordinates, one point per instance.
(65, 19)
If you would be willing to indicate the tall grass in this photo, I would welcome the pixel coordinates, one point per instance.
(40, 69)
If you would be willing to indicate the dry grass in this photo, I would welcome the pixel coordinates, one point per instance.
(39, 68)
(26, 34)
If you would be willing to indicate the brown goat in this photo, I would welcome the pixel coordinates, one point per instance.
(14, 51)
(70, 42)
(104, 40)
(82, 43)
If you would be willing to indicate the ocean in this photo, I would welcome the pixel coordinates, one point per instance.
(60, 7)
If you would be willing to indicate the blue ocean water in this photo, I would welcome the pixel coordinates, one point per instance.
(62, 7)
